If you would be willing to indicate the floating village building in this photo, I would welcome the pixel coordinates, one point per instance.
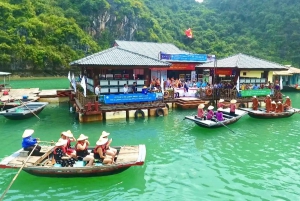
(129, 62)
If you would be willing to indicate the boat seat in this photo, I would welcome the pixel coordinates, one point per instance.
(79, 164)
(57, 165)
(23, 153)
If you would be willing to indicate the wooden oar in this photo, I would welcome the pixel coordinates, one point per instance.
(28, 108)
(11, 183)
(225, 125)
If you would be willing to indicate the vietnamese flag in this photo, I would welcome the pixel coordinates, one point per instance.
(189, 33)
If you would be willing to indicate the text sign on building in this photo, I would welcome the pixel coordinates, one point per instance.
(129, 98)
(223, 71)
(183, 57)
(258, 92)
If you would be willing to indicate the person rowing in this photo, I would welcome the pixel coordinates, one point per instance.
(29, 143)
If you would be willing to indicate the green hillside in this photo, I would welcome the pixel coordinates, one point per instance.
(48, 34)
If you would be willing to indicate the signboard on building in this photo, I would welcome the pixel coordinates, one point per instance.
(183, 57)
(130, 98)
(223, 71)
(258, 92)
(186, 57)
(177, 66)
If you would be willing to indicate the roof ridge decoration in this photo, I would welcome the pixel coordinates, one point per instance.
(133, 41)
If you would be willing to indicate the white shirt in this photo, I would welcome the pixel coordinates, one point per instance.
(97, 91)
(125, 89)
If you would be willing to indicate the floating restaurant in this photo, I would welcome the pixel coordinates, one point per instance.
(132, 64)
(137, 65)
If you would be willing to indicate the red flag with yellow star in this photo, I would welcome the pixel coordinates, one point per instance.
(189, 33)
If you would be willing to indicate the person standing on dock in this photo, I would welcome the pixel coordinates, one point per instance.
(125, 89)
(254, 103)
(133, 88)
(268, 103)
(232, 107)
(97, 91)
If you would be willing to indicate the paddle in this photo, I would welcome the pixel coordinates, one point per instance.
(28, 108)
(11, 183)
(224, 125)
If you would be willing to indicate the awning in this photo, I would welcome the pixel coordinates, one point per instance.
(4, 73)
(286, 73)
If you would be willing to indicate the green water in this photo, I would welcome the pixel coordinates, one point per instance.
(260, 161)
(46, 83)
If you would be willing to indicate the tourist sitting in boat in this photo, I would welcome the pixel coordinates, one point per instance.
(210, 112)
(81, 149)
(279, 107)
(232, 107)
(100, 152)
(254, 103)
(68, 135)
(200, 114)
(221, 103)
(288, 103)
(109, 150)
(219, 115)
(60, 155)
(29, 143)
(273, 106)
(268, 103)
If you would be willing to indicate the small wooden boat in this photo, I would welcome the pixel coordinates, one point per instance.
(261, 113)
(24, 111)
(4, 105)
(214, 123)
(43, 166)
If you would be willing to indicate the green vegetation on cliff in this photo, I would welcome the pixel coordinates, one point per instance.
(48, 34)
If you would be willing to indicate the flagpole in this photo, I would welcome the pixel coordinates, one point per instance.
(214, 81)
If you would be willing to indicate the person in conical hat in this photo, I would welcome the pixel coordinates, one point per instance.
(279, 107)
(81, 149)
(288, 103)
(221, 103)
(109, 150)
(68, 135)
(268, 103)
(200, 114)
(100, 152)
(210, 112)
(273, 106)
(28, 143)
(60, 155)
(219, 114)
(232, 107)
(254, 103)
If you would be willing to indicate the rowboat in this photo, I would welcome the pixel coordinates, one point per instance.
(214, 123)
(4, 105)
(127, 156)
(24, 111)
(262, 114)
